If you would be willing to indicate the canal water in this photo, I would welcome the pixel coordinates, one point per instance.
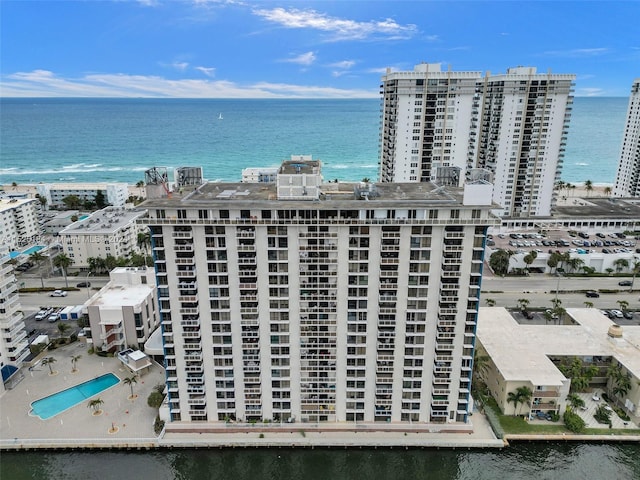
(522, 461)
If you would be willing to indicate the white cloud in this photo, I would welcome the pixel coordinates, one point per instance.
(44, 83)
(208, 71)
(344, 65)
(577, 52)
(180, 66)
(302, 59)
(590, 92)
(340, 29)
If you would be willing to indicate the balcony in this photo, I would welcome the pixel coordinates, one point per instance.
(183, 235)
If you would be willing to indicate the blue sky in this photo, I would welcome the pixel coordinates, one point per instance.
(325, 49)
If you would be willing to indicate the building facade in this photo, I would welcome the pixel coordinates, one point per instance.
(110, 231)
(115, 194)
(355, 305)
(14, 347)
(628, 177)
(19, 224)
(512, 126)
(124, 313)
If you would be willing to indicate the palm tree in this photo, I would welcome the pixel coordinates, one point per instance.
(621, 264)
(574, 264)
(624, 305)
(63, 262)
(523, 303)
(515, 398)
(480, 364)
(144, 241)
(499, 262)
(525, 394)
(588, 304)
(63, 328)
(38, 258)
(490, 302)
(575, 401)
(74, 362)
(49, 361)
(607, 191)
(588, 186)
(131, 381)
(619, 381)
(529, 259)
(95, 405)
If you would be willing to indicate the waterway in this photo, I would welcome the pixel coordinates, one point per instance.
(521, 461)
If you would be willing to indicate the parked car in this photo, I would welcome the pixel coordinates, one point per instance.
(528, 315)
(617, 313)
(53, 317)
(592, 294)
(58, 293)
(83, 285)
(628, 314)
(42, 314)
(625, 283)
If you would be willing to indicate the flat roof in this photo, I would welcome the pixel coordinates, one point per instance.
(107, 220)
(116, 296)
(332, 195)
(11, 203)
(521, 352)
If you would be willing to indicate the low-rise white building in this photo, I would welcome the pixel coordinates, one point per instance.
(124, 312)
(115, 194)
(529, 355)
(19, 224)
(110, 231)
(259, 175)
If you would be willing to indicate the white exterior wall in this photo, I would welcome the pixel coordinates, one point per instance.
(13, 337)
(19, 226)
(628, 177)
(267, 319)
(115, 194)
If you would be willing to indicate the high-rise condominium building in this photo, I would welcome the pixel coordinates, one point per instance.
(305, 301)
(628, 178)
(13, 336)
(512, 125)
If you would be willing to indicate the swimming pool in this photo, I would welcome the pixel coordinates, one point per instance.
(33, 249)
(52, 405)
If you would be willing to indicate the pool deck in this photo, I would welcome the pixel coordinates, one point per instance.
(77, 428)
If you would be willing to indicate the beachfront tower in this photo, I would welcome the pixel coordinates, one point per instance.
(302, 301)
(511, 125)
(628, 178)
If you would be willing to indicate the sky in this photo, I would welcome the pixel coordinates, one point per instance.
(303, 49)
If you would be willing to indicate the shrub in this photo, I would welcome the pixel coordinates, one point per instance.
(622, 414)
(602, 415)
(573, 422)
(158, 425)
(261, 435)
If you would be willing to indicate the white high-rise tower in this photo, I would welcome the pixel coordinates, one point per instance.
(628, 178)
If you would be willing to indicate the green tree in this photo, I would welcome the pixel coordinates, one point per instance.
(523, 304)
(140, 184)
(38, 258)
(575, 400)
(624, 305)
(110, 262)
(63, 328)
(574, 264)
(480, 364)
(49, 361)
(621, 264)
(63, 262)
(499, 262)
(588, 304)
(74, 362)
(607, 191)
(131, 381)
(588, 186)
(144, 241)
(573, 421)
(95, 405)
(72, 202)
(42, 200)
(100, 200)
(490, 302)
(619, 382)
(522, 395)
(529, 258)
(155, 399)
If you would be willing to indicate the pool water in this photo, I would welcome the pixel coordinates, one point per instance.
(33, 249)
(52, 405)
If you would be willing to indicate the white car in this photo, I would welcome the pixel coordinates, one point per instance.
(617, 313)
(58, 293)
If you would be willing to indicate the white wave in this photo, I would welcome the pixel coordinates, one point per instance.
(368, 166)
(582, 164)
(73, 169)
(341, 167)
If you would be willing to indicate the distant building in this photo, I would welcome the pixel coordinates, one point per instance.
(512, 125)
(259, 175)
(19, 224)
(522, 355)
(110, 231)
(115, 194)
(124, 312)
(628, 178)
(13, 337)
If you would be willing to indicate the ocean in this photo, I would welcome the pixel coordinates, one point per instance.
(116, 140)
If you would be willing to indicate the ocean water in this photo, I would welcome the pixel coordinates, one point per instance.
(79, 140)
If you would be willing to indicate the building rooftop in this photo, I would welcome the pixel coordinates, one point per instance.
(11, 203)
(601, 207)
(105, 221)
(521, 352)
(117, 296)
(346, 195)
